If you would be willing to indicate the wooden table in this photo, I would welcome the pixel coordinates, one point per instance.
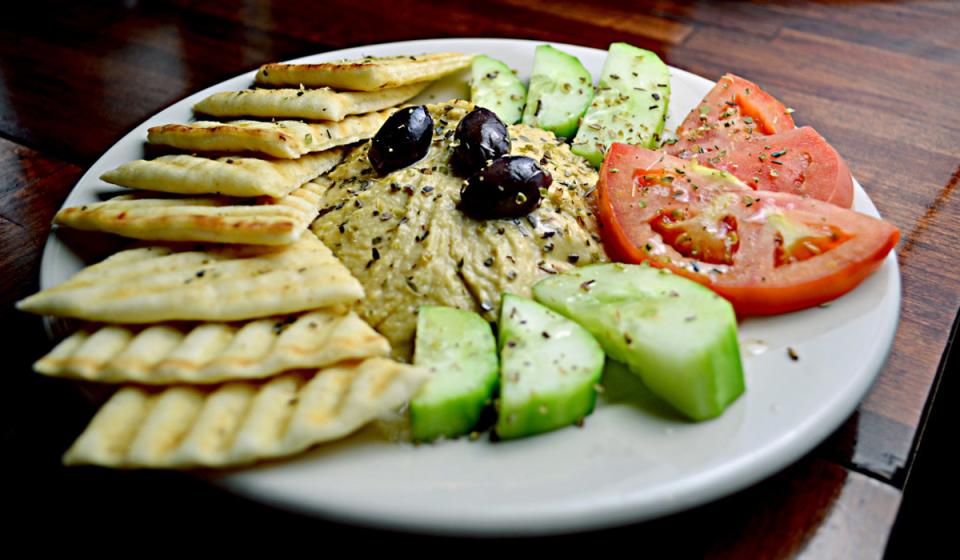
(879, 79)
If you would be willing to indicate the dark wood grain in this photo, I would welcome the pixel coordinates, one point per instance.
(880, 80)
(33, 185)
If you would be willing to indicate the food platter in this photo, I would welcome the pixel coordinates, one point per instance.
(633, 459)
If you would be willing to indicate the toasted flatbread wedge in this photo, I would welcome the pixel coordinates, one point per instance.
(180, 282)
(312, 104)
(365, 74)
(216, 219)
(283, 139)
(241, 422)
(207, 353)
(230, 176)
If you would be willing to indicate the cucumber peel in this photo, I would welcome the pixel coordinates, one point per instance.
(679, 337)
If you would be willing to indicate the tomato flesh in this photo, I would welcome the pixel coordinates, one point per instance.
(807, 246)
(707, 240)
(766, 252)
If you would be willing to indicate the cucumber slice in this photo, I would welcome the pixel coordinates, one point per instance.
(550, 367)
(630, 106)
(678, 336)
(459, 348)
(560, 91)
(494, 86)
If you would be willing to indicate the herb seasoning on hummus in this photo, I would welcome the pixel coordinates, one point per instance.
(403, 236)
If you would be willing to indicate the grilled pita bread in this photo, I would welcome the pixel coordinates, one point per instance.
(283, 139)
(312, 104)
(241, 422)
(365, 74)
(216, 219)
(178, 282)
(231, 176)
(206, 353)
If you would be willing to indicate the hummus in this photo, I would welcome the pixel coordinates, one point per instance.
(403, 237)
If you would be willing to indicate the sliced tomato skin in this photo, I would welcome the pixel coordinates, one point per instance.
(806, 165)
(733, 111)
(752, 285)
(738, 126)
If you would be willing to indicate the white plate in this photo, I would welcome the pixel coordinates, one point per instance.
(632, 460)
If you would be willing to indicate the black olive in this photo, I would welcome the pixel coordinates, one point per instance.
(507, 188)
(403, 139)
(481, 137)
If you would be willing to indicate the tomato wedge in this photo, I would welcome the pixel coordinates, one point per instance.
(797, 161)
(734, 111)
(766, 252)
(742, 129)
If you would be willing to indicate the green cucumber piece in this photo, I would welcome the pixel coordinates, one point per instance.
(679, 337)
(549, 372)
(494, 86)
(460, 350)
(560, 91)
(630, 106)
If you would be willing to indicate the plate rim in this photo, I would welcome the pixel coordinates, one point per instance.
(724, 480)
